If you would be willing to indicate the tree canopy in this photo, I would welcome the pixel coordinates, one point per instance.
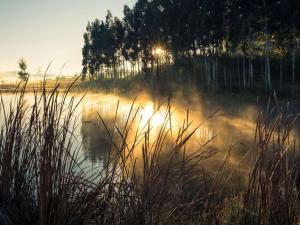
(192, 28)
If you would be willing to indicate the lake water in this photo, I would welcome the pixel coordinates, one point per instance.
(222, 124)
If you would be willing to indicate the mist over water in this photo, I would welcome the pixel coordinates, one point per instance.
(221, 125)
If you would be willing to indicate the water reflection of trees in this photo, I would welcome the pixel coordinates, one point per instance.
(97, 143)
(95, 138)
(229, 130)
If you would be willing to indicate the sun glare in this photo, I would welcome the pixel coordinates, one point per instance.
(148, 114)
(158, 51)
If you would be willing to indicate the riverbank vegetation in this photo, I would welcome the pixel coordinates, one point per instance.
(43, 178)
(155, 170)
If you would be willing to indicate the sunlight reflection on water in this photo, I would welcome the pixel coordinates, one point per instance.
(232, 127)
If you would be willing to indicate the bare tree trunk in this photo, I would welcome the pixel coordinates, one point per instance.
(213, 74)
(267, 65)
(124, 70)
(293, 70)
(224, 74)
(251, 73)
(294, 54)
(118, 70)
(216, 73)
(207, 70)
(138, 66)
(262, 69)
(281, 71)
(244, 72)
(267, 53)
(239, 72)
(293, 64)
(250, 77)
(230, 78)
(114, 71)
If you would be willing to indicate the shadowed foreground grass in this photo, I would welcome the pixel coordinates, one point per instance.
(43, 179)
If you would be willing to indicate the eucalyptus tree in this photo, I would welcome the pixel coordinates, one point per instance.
(294, 27)
(281, 25)
(132, 37)
(243, 34)
(103, 41)
(233, 41)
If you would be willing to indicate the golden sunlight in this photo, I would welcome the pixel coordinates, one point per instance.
(158, 51)
(149, 114)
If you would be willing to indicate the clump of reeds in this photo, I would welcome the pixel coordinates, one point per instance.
(144, 180)
(156, 180)
(42, 180)
(272, 194)
(40, 176)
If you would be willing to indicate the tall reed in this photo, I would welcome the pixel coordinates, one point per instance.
(148, 178)
(272, 194)
(40, 176)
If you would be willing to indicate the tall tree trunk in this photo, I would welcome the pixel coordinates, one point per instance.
(138, 66)
(124, 70)
(244, 72)
(250, 78)
(281, 71)
(224, 74)
(267, 65)
(293, 70)
(213, 74)
(230, 78)
(262, 73)
(216, 73)
(239, 72)
(267, 55)
(114, 71)
(207, 70)
(294, 57)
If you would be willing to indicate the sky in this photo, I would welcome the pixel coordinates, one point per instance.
(49, 31)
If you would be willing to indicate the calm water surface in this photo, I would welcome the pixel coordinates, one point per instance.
(229, 125)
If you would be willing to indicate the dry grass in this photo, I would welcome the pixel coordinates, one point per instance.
(272, 193)
(43, 181)
(37, 85)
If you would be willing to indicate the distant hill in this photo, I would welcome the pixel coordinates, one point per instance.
(12, 76)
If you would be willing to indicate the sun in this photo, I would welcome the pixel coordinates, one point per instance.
(155, 118)
(158, 51)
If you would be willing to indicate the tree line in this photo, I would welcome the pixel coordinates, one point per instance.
(234, 43)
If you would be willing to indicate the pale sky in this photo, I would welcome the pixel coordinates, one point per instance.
(41, 31)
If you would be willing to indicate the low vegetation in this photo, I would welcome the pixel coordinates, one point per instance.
(44, 180)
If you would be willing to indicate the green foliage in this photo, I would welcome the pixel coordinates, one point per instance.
(187, 29)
